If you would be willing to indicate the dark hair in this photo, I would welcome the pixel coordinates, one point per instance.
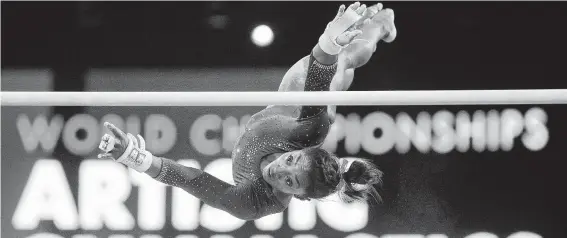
(327, 174)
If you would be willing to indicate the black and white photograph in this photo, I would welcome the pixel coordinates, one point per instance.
(283, 119)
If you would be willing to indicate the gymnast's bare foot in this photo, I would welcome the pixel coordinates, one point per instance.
(378, 25)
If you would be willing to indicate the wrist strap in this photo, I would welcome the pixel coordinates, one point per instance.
(329, 46)
(134, 157)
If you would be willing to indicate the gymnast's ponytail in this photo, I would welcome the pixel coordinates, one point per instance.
(358, 181)
(329, 174)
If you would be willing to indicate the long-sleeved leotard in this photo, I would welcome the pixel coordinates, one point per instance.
(275, 129)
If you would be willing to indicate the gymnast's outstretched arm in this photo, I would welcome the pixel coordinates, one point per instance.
(239, 201)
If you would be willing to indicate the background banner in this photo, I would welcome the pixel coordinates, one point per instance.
(450, 171)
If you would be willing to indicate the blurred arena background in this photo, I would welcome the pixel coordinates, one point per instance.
(453, 171)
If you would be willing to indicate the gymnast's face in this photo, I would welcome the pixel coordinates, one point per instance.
(288, 173)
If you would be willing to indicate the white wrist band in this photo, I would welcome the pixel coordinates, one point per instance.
(329, 46)
(134, 157)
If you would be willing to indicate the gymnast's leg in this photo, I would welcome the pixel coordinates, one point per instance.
(379, 26)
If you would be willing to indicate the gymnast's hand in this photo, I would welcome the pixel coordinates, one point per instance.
(340, 31)
(353, 31)
(125, 148)
(377, 24)
(114, 145)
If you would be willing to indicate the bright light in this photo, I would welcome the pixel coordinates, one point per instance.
(262, 35)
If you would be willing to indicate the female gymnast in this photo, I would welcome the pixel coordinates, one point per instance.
(278, 157)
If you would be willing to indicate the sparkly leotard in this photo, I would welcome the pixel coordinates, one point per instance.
(277, 129)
